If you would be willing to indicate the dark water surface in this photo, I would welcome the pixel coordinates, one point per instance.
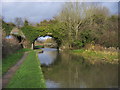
(64, 70)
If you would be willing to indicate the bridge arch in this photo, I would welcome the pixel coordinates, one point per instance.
(56, 39)
(32, 33)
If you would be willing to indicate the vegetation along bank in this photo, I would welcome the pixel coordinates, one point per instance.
(29, 75)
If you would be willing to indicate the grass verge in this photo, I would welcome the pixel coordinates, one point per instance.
(12, 59)
(39, 46)
(29, 75)
(111, 57)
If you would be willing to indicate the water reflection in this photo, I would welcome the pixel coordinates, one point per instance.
(48, 57)
(52, 84)
(70, 71)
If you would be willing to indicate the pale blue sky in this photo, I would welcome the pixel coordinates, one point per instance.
(38, 11)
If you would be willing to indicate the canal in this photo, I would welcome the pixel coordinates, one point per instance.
(65, 70)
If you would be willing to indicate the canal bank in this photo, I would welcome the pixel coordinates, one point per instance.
(29, 75)
(95, 57)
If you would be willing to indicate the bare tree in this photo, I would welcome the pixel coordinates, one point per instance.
(80, 16)
(71, 15)
(19, 22)
(74, 14)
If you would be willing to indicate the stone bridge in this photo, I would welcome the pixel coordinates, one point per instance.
(18, 34)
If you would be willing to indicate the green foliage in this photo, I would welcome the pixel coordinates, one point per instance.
(78, 43)
(24, 50)
(113, 18)
(40, 46)
(29, 75)
(30, 32)
(12, 59)
(101, 29)
(51, 28)
(7, 27)
(97, 55)
(9, 61)
(98, 19)
(26, 23)
(59, 30)
(109, 32)
(86, 37)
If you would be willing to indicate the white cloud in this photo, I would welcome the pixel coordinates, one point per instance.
(43, 38)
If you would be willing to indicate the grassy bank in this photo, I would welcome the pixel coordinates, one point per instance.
(39, 46)
(29, 75)
(110, 57)
(12, 59)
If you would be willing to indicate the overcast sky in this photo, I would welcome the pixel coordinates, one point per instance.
(38, 11)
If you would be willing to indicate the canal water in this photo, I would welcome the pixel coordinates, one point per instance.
(65, 70)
